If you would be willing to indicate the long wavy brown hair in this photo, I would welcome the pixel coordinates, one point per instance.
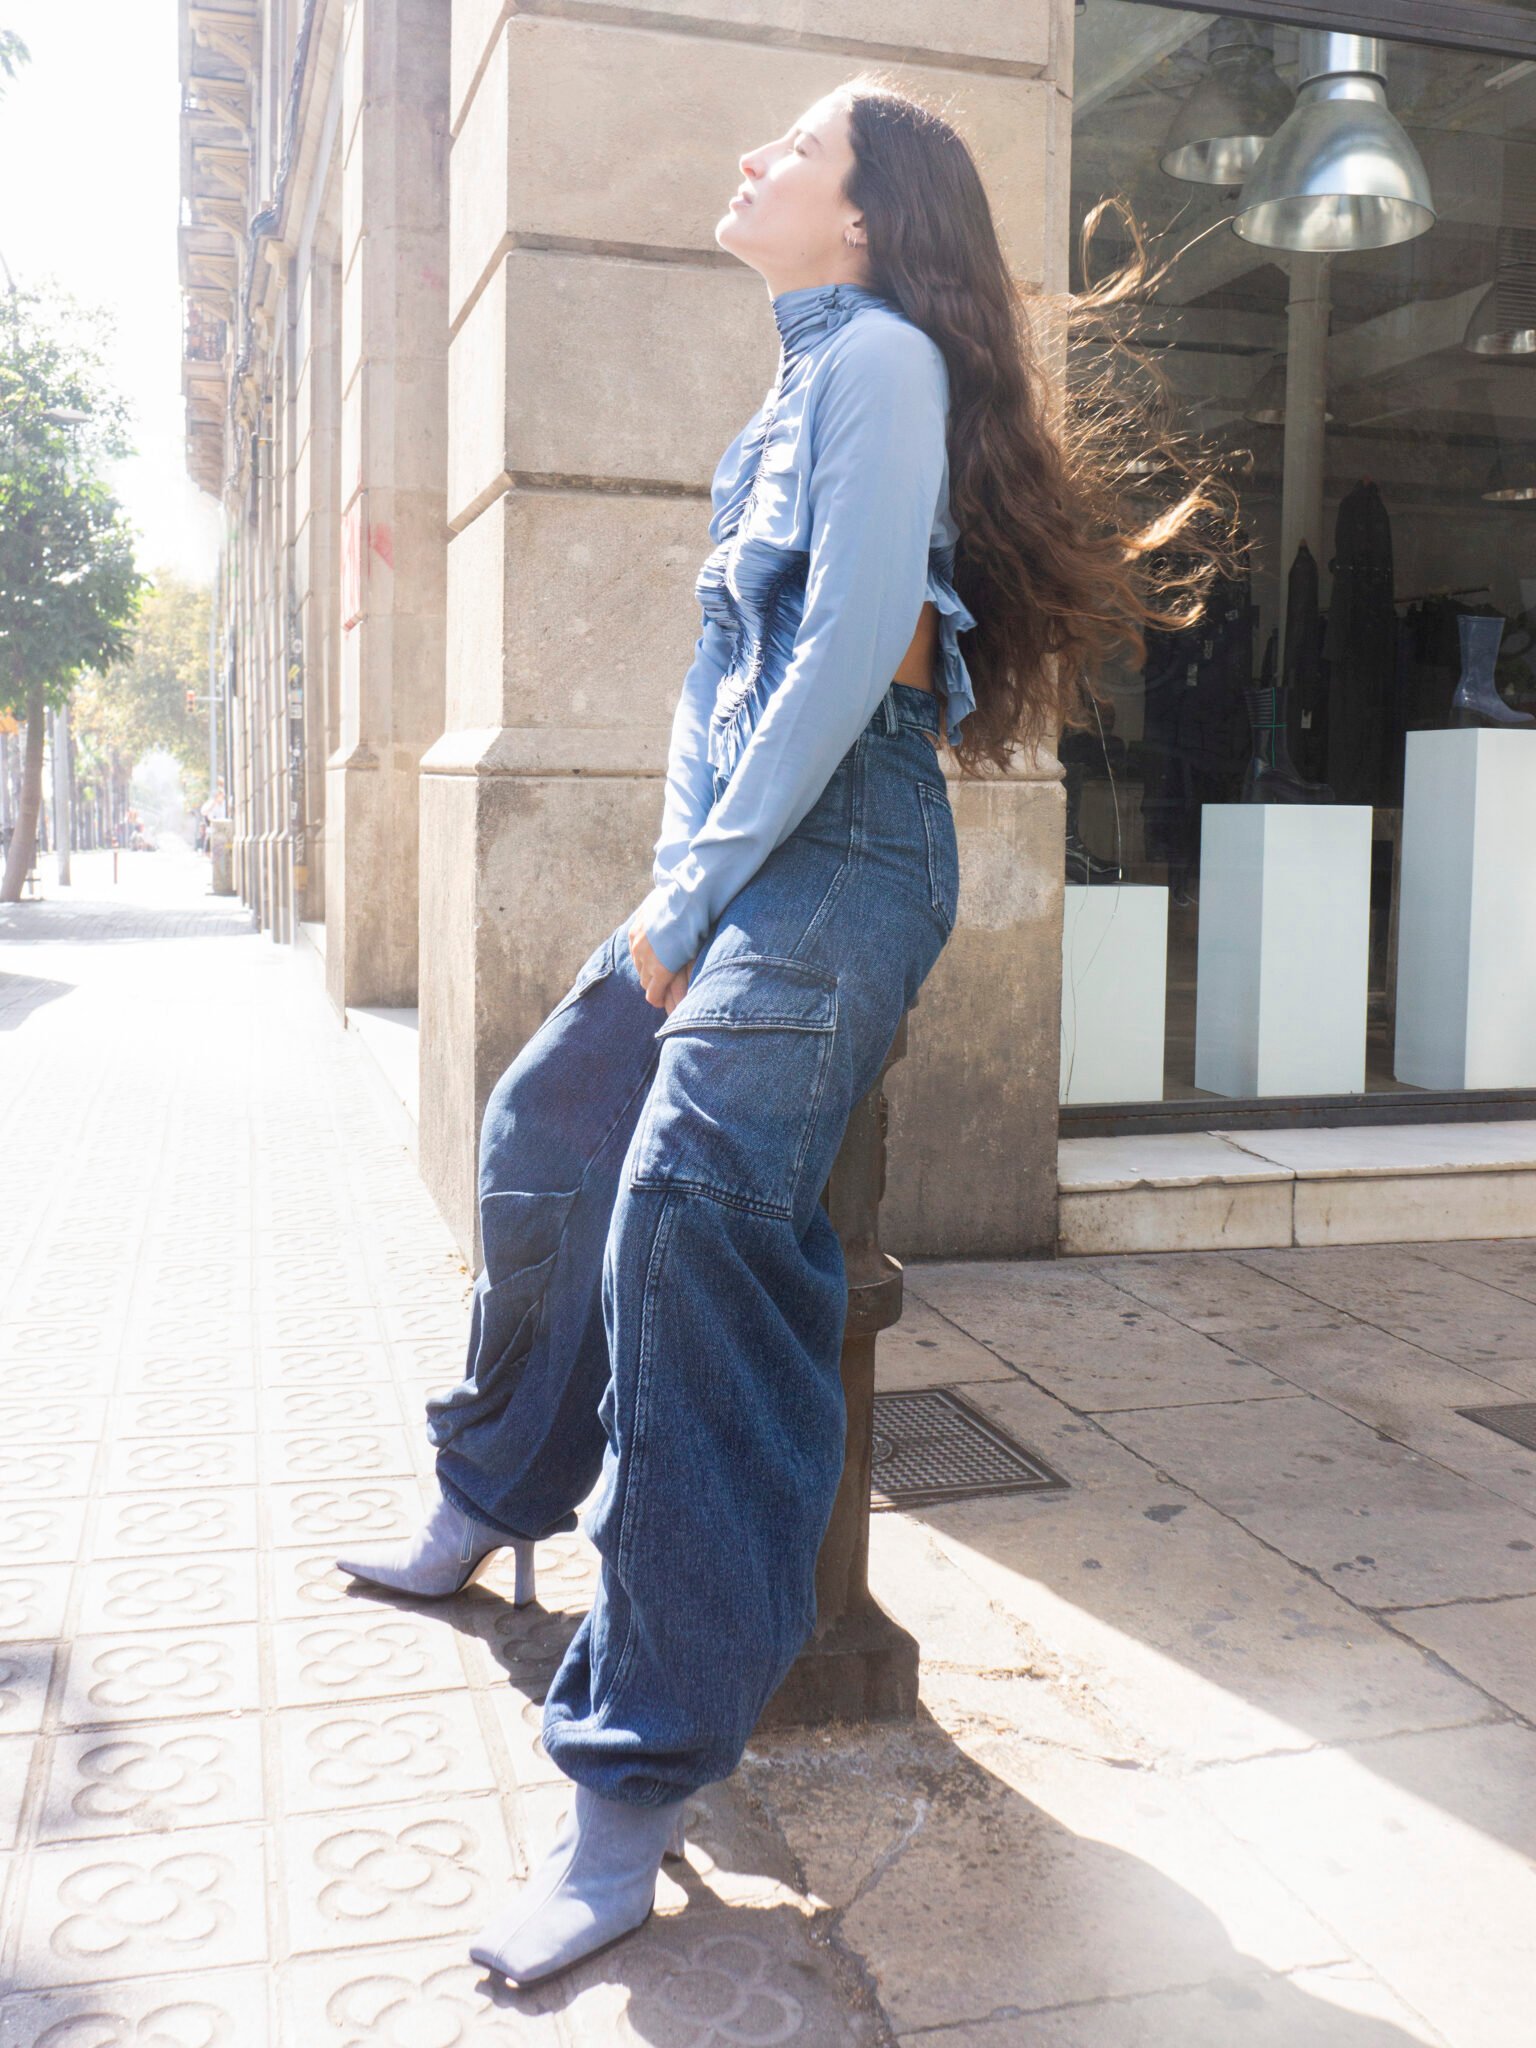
(1066, 551)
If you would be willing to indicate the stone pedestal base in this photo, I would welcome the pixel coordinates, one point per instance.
(864, 1668)
(973, 1106)
(523, 874)
(1285, 911)
(1466, 959)
(370, 876)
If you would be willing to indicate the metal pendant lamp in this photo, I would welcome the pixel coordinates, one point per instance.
(1341, 173)
(1503, 324)
(1511, 476)
(1218, 132)
(1506, 487)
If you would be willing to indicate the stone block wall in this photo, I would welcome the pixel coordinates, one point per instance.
(603, 351)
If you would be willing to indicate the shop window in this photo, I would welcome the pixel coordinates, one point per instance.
(1301, 839)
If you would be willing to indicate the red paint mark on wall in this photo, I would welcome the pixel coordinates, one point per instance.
(382, 541)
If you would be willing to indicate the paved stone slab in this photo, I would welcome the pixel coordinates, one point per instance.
(1384, 1524)
(1197, 1640)
(99, 1911)
(1413, 1296)
(230, 2007)
(26, 1676)
(409, 1993)
(1014, 1860)
(1406, 1393)
(1096, 1347)
(153, 1778)
(1491, 1642)
(926, 1349)
(1209, 1291)
(1509, 1264)
(1419, 1852)
(32, 1601)
(114, 1678)
(377, 1752)
(388, 1874)
(1338, 2007)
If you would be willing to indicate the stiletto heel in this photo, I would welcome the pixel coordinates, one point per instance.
(523, 1594)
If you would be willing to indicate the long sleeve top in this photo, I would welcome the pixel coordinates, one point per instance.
(832, 525)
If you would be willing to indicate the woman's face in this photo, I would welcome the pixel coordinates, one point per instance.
(789, 219)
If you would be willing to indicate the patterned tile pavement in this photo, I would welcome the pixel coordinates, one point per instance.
(242, 1802)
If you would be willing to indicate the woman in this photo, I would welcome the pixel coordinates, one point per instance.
(663, 1297)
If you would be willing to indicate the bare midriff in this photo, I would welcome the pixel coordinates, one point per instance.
(917, 665)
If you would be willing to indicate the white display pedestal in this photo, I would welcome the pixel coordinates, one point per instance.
(1466, 930)
(1285, 911)
(1114, 972)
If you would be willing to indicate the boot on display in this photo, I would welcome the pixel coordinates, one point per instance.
(1477, 700)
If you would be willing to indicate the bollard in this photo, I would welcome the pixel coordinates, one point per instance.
(859, 1664)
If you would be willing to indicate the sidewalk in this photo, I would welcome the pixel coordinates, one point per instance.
(1228, 1746)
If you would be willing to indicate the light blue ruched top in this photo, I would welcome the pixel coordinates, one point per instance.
(832, 524)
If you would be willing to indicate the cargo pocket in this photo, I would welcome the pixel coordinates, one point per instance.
(943, 853)
(744, 1063)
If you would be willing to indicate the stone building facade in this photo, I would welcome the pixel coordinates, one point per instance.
(461, 354)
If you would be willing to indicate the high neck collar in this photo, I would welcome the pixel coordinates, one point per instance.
(812, 309)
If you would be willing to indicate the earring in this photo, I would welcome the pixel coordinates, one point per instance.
(853, 241)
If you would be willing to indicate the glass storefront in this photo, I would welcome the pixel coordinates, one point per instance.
(1301, 841)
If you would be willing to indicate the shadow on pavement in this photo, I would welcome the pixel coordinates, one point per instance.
(848, 1870)
(21, 994)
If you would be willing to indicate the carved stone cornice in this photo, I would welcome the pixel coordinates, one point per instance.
(229, 215)
(209, 268)
(222, 103)
(230, 32)
(220, 61)
(218, 168)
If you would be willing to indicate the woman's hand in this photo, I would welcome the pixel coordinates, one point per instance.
(664, 986)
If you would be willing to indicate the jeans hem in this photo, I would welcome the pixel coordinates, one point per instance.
(644, 1792)
(466, 1506)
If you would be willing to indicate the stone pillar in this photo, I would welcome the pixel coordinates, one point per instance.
(283, 650)
(394, 341)
(242, 796)
(317, 406)
(604, 351)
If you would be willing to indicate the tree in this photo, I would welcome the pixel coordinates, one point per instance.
(13, 54)
(68, 585)
(139, 703)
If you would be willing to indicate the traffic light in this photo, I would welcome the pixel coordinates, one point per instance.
(191, 698)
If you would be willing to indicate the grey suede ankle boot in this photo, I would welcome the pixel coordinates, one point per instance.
(443, 1556)
(596, 1884)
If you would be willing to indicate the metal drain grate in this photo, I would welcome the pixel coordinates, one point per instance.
(1514, 1419)
(933, 1445)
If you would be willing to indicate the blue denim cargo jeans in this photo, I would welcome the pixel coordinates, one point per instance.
(662, 1300)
